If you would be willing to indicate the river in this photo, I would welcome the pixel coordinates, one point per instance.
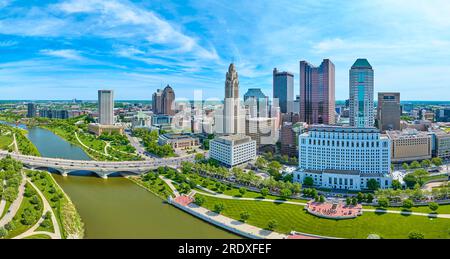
(116, 207)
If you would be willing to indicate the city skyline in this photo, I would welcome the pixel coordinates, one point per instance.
(71, 51)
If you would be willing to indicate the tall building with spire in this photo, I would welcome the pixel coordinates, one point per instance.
(317, 93)
(232, 111)
(361, 94)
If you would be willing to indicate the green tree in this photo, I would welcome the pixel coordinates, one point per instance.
(199, 157)
(369, 198)
(405, 166)
(242, 191)
(383, 202)
(416, 235)
(199, 200)
(414, 165)
(261, 163)
(321, 199)
(373, 184)
(286, 193)
(272, 224)
(245, 215)
(396, 185)
(433, 206)
(308, 181)
(218, 208)
(3, 232)
(264, 191)
(408, 204)
(437, 161)
(354, 201)
(425, 163)
(348, 201)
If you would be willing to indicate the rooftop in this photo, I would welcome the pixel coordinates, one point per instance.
(362, 63)
(407, 134)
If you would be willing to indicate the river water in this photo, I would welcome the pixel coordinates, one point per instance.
(116, 207)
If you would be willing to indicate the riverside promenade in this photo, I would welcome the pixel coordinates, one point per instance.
(234, 226)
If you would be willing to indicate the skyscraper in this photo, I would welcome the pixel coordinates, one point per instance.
(157, 102)
(31, 111)
(388, 111)
(106, 107)
(361, 94)
(317, 94)
(257, 103)
(231, 107)
(283, 90)
(168, 101)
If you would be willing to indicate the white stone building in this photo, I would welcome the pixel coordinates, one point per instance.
(344, 157)
(233, 150)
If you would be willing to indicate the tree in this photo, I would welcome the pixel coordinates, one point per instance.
(3, 232)
(286, 193)
(244, 216)
(354, 201)
(426, 163)
(360, 197)
(264, 191)
(414, 165)
(416, 235)
(199, 200)
(405, 166)
(396, 185)
(433, 206)
(272, 224)
(321, 199)
(373, 184)
(383, 202)
(261, 163)
(218, 208)
(437, 161)
(242, 191)
(408, 204)
(308, 181)
(369, 198)
(199, 157)
(348, 201)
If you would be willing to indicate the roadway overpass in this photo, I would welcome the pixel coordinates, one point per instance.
(102, 169)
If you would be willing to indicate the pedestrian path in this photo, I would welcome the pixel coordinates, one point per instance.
(15, 205)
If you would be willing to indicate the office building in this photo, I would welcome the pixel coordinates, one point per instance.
(54, 114)
(443, 115)
(168, 101)
(410, 145)
(289, 138)
(361, 94)
(317, 93)
(157, 102)
(441, 144)
(31, 110)
(179, 141)
(262, 130)
(344, 157)
(233, 150)
(283, 90)
(233, 116)
(256, 102)
(388, 111)
(106, 107)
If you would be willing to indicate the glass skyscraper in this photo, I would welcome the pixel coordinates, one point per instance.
(317, 93)
(361, 94)
(283, 90)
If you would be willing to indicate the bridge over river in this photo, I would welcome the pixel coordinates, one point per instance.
(100, 168)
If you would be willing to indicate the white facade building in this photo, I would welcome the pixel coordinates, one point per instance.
(344, 157)
(233, 150)
(106, 107)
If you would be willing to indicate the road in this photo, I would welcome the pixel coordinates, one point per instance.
(15, 205)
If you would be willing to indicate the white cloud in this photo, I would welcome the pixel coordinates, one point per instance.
(63, 53)
(7, 43)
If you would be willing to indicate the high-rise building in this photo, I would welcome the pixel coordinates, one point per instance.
(388, 111)
(283, 90)
(344, 157)
(168, 101)
(257, 103)
(361, 94)
(31, 111)
(106, 107)
(317, 93)
(232, 106)
(233, 150)
(54, 114)
(157, 102)
(263, 130)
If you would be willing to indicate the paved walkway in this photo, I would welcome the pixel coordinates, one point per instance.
(15, 205)
(47, 208)
(171, 186)
(230, 224)
(223, 196)
(2, 207)
(93, 150)
(14, 143)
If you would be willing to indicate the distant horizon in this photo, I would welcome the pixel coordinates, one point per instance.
(54, 49)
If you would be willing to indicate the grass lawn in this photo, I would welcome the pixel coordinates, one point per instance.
(443, 209)
(293, 217)
(17, 220)
(156, 186)
(5, 141)
(54, 195)
(7, 205)
(39, 236)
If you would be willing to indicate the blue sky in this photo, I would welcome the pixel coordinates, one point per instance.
(69, 49)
